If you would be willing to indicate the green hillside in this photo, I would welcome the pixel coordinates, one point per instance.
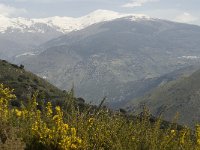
(181, 96)
(25, 84)
(56, 127)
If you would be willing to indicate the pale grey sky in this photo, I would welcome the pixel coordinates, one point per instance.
(187, 11)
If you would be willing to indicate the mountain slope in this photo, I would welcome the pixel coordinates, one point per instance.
(26, 83)
(180, 96)
(104, 58)
(139, 88)
(30, 33)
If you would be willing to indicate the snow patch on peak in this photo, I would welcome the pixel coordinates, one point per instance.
(136, 17)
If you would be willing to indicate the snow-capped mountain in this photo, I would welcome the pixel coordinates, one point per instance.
(21, 36)
(60, 24)
(113, 58)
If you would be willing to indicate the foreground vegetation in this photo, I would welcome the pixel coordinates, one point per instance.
(70, 127)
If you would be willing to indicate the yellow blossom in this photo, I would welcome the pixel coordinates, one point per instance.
(18, 112)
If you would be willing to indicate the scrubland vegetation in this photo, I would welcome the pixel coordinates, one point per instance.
(69, 127)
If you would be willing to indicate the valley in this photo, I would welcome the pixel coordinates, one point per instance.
(108, 77)
(117, 53)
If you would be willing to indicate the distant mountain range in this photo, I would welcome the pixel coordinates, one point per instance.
(130, 59)
(60, 24)
(22, 35)
(108, 58)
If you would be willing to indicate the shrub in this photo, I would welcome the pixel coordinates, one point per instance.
(52, 128)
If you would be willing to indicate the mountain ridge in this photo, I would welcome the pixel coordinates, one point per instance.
(27, 34)
(25, 83)
(61, 24)
(179, 96)
(115, 53)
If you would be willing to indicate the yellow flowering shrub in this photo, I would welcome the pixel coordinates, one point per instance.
(53, 128)
(56, 133)
(5, 96)
(44, 128)
(48, 130)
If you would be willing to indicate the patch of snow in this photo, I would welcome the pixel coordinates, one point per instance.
(26, 54)
(189, 57)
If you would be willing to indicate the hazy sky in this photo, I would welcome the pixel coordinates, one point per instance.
(177, 10)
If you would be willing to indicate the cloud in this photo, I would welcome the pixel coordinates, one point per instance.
(43, 1)
(10, 11)
(137, 3)
(185, 18)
